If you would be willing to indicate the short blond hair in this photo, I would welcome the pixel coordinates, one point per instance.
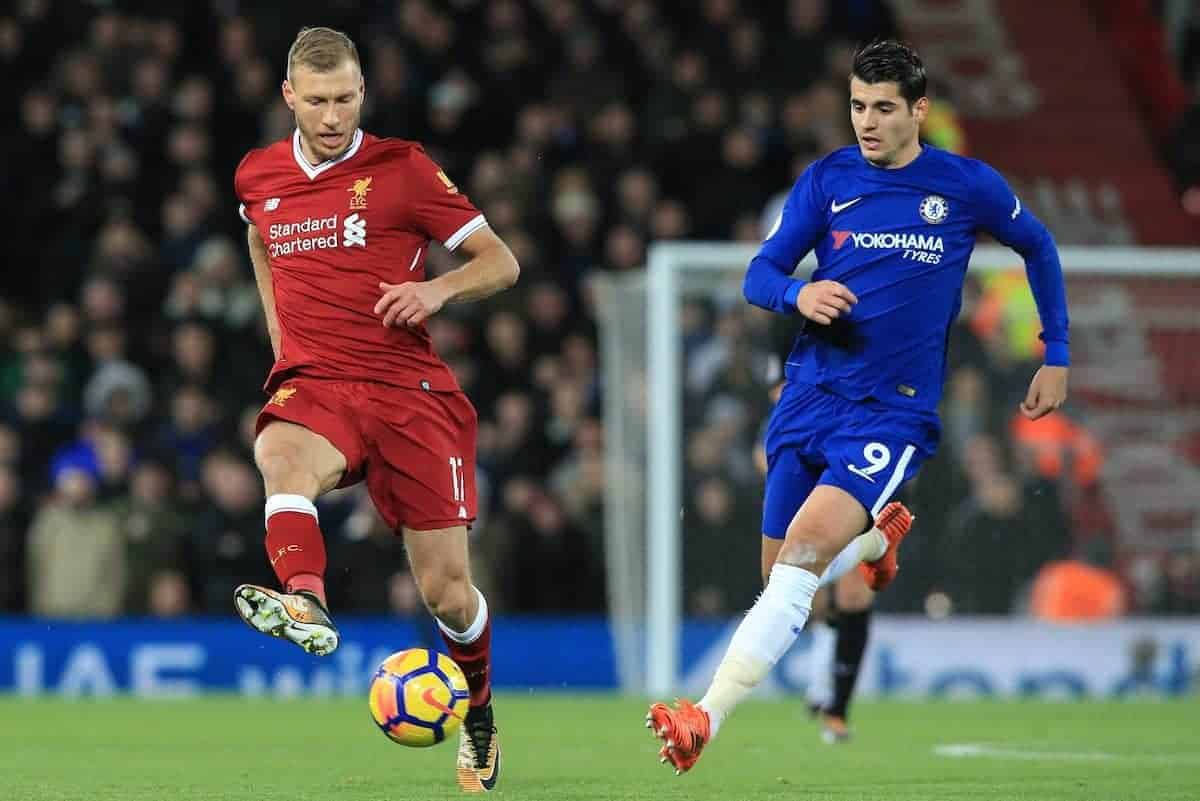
(321, 50)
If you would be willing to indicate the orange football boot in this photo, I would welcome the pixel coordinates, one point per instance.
(834, 730)
(478, 766)
(894, 521)
(684, 730)
(296, 616)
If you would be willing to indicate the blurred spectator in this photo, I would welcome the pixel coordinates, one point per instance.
(77, 565)
(718, 585)
(190, 432)
(154, 529)
(1071, 591)
(225, 546)
(579, 482)
(549, 557)
(368, 561)
(1009, 525)
(118, 392)
(1059, 448)
(1182, 573)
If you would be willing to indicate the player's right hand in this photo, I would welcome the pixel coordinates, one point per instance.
(410, 303)
(824, 301)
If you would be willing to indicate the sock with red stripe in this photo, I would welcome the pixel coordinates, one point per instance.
(472, 650)
(295, 545)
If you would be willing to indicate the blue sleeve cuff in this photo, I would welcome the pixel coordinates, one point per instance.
(793, 292)
(1058, 354)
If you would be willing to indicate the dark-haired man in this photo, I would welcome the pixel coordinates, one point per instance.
(893, 223)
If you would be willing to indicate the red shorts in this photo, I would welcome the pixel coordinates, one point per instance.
(415, 448)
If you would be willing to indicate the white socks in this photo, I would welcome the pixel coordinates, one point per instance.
(475, 629)
(774, 623)
(282, 502)
(863, 548)
(820, 663)
(761, 640)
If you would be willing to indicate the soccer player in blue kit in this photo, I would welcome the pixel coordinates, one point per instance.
(893, 222)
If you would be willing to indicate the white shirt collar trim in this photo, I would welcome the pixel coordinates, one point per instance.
(313, 171)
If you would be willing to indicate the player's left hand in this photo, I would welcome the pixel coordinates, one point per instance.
(410, 303)
(1047, 392)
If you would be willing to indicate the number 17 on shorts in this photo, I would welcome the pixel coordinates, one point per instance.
(458, 481)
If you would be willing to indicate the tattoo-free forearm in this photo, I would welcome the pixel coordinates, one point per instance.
(266, 288)
(490, 271)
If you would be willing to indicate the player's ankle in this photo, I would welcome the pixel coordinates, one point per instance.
(715, 718)
(308, 582)
(874, 545)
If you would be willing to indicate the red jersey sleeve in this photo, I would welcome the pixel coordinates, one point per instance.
(237, 189)
(439, 209)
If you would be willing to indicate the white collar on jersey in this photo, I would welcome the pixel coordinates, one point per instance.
(313, 171)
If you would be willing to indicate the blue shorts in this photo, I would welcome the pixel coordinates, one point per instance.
(863, 447)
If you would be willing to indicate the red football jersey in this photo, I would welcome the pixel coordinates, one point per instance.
(333, 231)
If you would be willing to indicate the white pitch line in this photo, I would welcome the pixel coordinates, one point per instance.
(969, 750)
(978, 750)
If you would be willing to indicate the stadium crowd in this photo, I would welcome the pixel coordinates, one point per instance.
(132, 349)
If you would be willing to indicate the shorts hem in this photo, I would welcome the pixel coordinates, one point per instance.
(434, 525)
(832, 481)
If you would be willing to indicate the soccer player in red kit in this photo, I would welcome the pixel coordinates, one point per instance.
(339, 225)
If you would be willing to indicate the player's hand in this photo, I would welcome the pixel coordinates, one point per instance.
(410, 303)
(1047, 392)
(824, 301)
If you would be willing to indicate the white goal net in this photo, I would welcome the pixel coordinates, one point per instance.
(688, 366)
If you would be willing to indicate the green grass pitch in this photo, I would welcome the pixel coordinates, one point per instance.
(571, 748)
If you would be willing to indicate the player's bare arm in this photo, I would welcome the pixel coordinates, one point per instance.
(1047, 391)
(825, 301)
(262, 277)
(490, 268)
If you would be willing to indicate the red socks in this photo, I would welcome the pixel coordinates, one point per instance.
(472, 650)
(296, 550)
(295, 546)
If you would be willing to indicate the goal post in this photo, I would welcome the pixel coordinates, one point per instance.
(1122, 300)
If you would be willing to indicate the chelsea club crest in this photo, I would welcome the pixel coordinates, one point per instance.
(934, 209)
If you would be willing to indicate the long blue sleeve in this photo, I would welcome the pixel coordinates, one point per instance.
(1000, 213)
(769, 283)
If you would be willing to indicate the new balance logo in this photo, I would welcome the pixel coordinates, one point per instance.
(354, 231)
(271, 204)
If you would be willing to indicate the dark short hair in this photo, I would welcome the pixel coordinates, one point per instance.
(888, 60)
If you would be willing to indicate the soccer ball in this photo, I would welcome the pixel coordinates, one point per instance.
(418, 697)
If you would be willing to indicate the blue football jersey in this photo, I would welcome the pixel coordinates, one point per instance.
(900, 239)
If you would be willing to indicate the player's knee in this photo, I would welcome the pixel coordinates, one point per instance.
(283, 470)
(448, 597)
(810, 546)
(805, 555)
